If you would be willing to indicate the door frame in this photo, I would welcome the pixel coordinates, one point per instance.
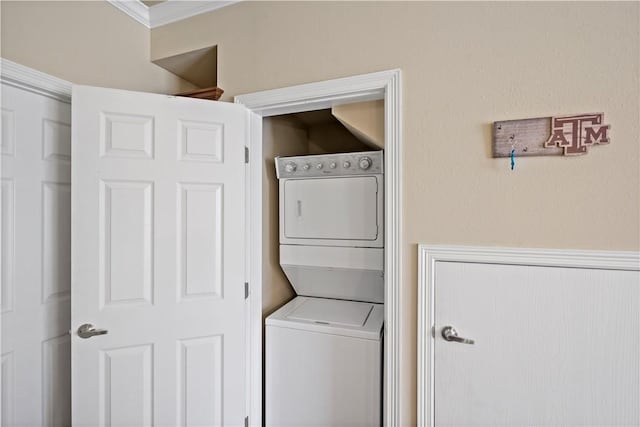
(17, 75)
(428, 255)
(383, 85)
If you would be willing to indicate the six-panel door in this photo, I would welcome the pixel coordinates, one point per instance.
(158, 259)
(36, 246)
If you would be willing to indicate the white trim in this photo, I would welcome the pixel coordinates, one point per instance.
(167, 12)
(135, 9)
(172, 11)
(14, 74)
(254, 270)
(320, 95)
(381, 85)
(429, 255)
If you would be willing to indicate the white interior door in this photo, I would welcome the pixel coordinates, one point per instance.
(158, 260)
(36, 250)
(553, 346)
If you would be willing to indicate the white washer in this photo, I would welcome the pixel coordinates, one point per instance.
(324, 363)
(323, 349)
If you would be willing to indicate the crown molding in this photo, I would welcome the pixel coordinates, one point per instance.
(167, 12)
(16, 75)
(135, 9)
(172, 11)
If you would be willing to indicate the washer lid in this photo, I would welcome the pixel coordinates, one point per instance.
(330, 316)
(332, 312)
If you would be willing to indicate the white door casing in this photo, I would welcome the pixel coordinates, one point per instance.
(384, 85)
(36, 206)
(158, 256)
(556, 334)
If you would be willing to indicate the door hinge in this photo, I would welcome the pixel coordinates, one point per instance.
(246, 154)
(246, 421)
(246, 290)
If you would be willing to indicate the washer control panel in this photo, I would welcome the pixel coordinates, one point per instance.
(361, 163)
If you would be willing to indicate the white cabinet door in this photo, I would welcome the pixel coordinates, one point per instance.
(158, 256)
(553, 346)
(36, 251)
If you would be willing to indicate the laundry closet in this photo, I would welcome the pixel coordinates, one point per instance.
(323, 266)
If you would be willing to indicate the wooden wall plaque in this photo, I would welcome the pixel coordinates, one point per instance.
(549, 136)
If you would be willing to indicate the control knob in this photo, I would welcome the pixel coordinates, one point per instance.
(333, 165)
(319, 166)
(290, 167)
(364, 163)
(346, 164)
(306, 166)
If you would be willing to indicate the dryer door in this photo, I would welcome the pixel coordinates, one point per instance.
(334, 211)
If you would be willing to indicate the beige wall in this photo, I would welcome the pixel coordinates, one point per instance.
(84, 42)
(464, 66)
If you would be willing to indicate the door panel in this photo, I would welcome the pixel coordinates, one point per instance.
(36, 238)
(159, 200)
(324, 208)
(200, 364)
(126, 269)
(553, 346)
(200, 240)
(126, 386)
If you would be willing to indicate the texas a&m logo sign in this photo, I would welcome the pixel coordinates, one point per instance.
(576, 133)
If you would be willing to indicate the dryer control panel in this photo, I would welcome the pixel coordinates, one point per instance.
(342, 164)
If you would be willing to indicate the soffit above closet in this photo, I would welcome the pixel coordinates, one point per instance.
(198, 67)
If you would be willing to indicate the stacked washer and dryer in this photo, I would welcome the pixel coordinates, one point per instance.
(324, 348)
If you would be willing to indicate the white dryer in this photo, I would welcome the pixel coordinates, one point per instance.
(324, 348)
(332, 224)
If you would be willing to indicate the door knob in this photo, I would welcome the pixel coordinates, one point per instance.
(88, 330)
(449, 333)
